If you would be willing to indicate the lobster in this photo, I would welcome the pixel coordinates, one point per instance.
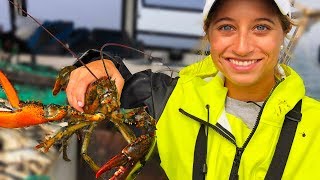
(101, 104)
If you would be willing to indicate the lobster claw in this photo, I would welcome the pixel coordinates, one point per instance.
(131, 159)
(62, 79)
(10, 91)
(19, 114)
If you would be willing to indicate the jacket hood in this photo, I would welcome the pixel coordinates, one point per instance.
(204, 68)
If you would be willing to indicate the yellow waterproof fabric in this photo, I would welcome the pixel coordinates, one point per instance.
(176, 133)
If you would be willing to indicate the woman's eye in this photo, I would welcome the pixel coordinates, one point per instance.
(226, 28)
(261, 28)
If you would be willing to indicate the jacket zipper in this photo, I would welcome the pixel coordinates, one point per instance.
(236, 164)
(239, 151)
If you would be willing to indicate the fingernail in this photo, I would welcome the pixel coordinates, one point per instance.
(80, 104)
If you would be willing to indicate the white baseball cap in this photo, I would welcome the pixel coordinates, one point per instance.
(283, 5)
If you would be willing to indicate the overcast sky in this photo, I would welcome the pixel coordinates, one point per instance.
(84, 13)
(311, 3)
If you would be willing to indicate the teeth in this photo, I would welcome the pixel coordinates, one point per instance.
(242, 63)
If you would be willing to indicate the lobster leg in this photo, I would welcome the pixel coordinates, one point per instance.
(61, 134)
(141, 119)
(126, 132)
(84, 149)
(64, 150)
(94, 117)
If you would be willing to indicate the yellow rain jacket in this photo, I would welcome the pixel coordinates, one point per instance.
(200, 85)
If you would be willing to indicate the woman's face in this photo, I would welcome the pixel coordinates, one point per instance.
(245, 38)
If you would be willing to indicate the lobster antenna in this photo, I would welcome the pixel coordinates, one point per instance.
(126, 47)
(54, 37)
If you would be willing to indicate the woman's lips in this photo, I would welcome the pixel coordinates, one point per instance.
(243, 64)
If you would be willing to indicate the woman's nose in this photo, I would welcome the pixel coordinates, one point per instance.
(243, 44)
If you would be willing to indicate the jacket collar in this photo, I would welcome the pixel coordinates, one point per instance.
(283, 98)
(195, 102)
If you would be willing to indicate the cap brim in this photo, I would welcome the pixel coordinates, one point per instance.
(283, 5)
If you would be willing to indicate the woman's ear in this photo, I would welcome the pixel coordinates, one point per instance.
(205, 37)
(288, 30)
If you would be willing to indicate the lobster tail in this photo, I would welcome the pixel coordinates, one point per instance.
(9, 90)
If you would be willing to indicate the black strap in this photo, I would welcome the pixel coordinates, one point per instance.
(284, 144)
(200, 155)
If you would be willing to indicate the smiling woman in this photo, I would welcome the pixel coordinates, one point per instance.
(246, 45)
(237, 114)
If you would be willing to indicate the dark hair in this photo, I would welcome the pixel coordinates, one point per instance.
(285, 20)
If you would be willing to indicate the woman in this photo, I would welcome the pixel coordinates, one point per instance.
(222, 118)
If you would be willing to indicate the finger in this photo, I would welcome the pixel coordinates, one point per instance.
(69, 91)
(84, 78)
(79, 93)
(73, 102)
(76, 105)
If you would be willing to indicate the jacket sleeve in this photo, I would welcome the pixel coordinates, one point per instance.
(149, 89)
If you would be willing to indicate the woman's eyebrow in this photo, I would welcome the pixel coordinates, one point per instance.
(265, 19)
(223, 19)
(230, 19)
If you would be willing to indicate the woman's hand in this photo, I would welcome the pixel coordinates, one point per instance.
(80, 79)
